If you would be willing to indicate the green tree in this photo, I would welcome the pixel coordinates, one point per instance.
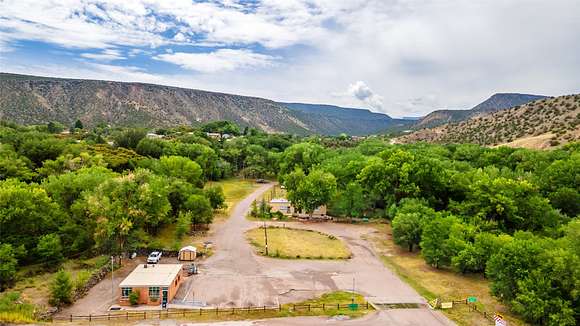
(408, 222)
(150, 147)
(566, 200)
(407, 228)
(26, 213)
(181, 168)
(129, 138)
(390, 179)
(474, 256)
(54, 127)
(8, 264)
(49, 249)
(511, 264)
(303, 155)
(199, 208)
(78, 124)
(124, 205)
(216, 197)
(61, 289)
(351, 201)
(182, 225)
(312, 191)
(40, 149)
(13, 165)
(434, 246)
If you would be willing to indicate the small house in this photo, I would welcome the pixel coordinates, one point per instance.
(187, 253)
(156, 284)
(281, 205)
(285, 207)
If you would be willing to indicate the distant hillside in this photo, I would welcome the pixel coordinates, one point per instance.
(540, 124)
(335, 120)
(37, 100)
(496, 102)
(30, 100)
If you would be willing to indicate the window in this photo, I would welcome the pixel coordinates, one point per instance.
(153, 292)
(125, 292)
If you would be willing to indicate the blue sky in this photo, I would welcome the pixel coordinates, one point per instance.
(401, 57)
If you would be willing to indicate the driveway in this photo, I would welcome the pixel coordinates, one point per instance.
(236, 276)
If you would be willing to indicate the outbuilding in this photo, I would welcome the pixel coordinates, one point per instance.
(187, 253)
(155, 284)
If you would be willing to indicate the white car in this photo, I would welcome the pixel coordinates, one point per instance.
(154, 257)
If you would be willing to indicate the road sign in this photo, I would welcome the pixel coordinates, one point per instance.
(353, 306)
(471, 299)
(446, 305)
(499, 321)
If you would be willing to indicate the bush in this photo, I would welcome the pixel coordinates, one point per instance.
(61, 289)
(134, 298)
(81, 279)
(49, 249)
(216, 197)
(8, 263)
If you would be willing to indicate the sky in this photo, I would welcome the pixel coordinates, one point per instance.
(400, 57)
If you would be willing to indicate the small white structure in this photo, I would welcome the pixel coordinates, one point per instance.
(187, 253)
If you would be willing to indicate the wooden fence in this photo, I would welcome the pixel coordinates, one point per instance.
(216, 311)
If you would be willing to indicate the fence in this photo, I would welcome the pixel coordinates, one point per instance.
(472, 307)
(215, 311)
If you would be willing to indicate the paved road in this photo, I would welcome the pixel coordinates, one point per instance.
(236, 276)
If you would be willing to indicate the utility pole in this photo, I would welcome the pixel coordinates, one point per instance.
(266, 237)
(112, 280)
(352, 290)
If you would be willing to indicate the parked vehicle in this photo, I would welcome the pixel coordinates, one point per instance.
(261, 181)
(192, 269)
(154, 257)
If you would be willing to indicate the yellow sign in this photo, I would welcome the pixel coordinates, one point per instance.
(446, 305)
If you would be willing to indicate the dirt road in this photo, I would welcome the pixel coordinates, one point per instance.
(236, 276)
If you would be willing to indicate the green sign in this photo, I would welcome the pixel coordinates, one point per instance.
(471, 299)
(353, 306)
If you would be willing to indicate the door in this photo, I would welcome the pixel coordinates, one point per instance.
(164, 298)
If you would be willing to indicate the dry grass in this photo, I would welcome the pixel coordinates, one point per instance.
(295, 243)
(445, 284)
(34, 281)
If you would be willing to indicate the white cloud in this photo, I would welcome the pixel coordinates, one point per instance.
(105, 55)
(363, 93)
(420, 54)
(218, 61)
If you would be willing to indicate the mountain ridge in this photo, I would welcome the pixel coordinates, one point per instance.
(496, 102)
(30, 99)
(340, 119)
(543, 123)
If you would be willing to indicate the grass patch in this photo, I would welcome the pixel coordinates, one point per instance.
(14, 311)
(235, 189)
(298, 244)
(434, 283)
